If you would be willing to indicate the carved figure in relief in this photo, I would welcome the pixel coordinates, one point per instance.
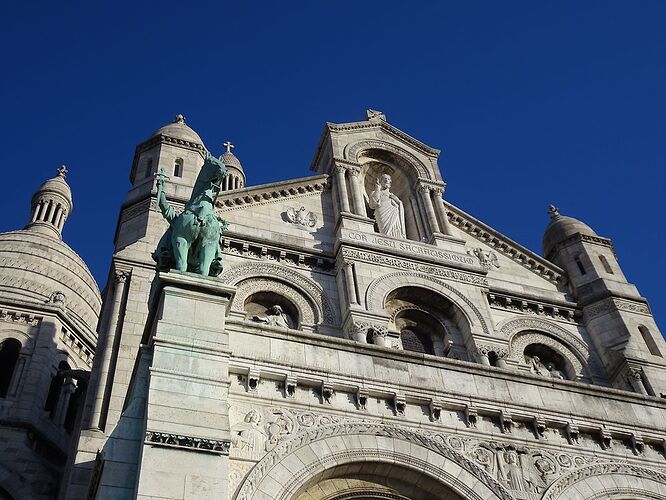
(511, 471)
(389, 212)
(275, 317)
(302, 217)
(487, 259)
(251, 436)
(537, 367)
(554, 372)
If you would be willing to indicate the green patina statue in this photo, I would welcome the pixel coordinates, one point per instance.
(192, 242)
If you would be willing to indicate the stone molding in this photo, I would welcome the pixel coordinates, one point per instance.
(378, 290)
(441, 272)
(309, 287)
(510, 327)
(386, 127)
(20, 318)
(497, 241)
(352, 152)
(600, 469)
(258, 251)
(165, 439)
(312, 429)
(272, 192)
(308, 314)
(529, 306)
(615, 304)
(541, 469)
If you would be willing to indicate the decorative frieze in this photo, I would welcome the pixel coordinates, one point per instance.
(397, 263)
(615, 304)
(20, 318)
(188, 442)
(277, 192)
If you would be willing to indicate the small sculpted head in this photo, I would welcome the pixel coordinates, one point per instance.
(253, 417)
(385, 181)
(276, 309)
(511, 457)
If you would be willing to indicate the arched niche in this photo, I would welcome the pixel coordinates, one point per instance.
(269, 307)
(526, 345)
(426, 321)
(351, 451)
(309, 297)
(470, 320)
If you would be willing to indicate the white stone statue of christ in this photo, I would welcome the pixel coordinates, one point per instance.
(389, 212)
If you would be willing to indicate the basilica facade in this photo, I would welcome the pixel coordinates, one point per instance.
(365, 339)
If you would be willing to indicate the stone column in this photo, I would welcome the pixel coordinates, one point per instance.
(52, 207)
(68, 388)
(16, 376)
(501, 357)
(441, 211)
(105, 353)
(482, 356)
(42, 208)
(348, 270)
(342, 188)
(424, 191)
(357, 192)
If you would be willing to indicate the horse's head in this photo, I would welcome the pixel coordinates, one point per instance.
(213, 168)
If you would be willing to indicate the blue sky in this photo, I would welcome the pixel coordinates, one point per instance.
(531, 103)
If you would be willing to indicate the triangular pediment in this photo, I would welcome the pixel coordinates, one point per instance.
(504, 246)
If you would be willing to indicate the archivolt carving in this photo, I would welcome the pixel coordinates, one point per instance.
(310, 288)
(567, 344)
(521, 340)
(353, 151)
(511, 326)
(307, 313)
(312, 428)
(602, 469)
(380, 288)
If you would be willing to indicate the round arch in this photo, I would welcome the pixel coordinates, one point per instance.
(609, 480)
(379, 289)
(307, 313)
(524, 331)
(314, 453)
(312, 290)
(405, 158)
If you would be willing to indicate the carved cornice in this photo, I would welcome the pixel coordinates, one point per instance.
(19, 318)
(527, 306)
(386, 127)
(615, 304)
(529, 260)
(216, 446)
(302, 260)
(268, 193)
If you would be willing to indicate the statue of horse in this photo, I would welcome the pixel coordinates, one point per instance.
(192, 242)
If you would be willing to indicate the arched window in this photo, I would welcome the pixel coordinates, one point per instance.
(581, 268)
(149, 168)
(604, 262)
(649, 341)
(53, 396)
(9, 352)
(178, 168)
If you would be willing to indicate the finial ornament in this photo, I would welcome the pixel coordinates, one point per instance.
(373, 114)
(229, 146)
(62, 170)
(553, 211)
(179, 118)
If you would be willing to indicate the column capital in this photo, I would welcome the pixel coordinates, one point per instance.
(354, 171)
(120, 275)
(340, 168)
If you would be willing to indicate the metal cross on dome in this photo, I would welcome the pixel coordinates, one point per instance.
(62, 170)
(229, 146)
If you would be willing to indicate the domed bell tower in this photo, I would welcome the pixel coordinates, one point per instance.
(615, 314)
(51, 205)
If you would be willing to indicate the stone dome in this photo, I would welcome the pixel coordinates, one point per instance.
(231, 161)
(178, 129)
(35, 267)
(560, 228)
(56, 185)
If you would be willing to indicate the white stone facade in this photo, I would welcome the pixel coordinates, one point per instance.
(449, 364)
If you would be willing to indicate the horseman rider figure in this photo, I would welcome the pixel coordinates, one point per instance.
(192, 242)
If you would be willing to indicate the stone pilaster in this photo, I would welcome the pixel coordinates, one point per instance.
(187, 437)
(341, 182)
(357, 192)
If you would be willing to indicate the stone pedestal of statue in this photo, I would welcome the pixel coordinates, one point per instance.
(186, 446)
